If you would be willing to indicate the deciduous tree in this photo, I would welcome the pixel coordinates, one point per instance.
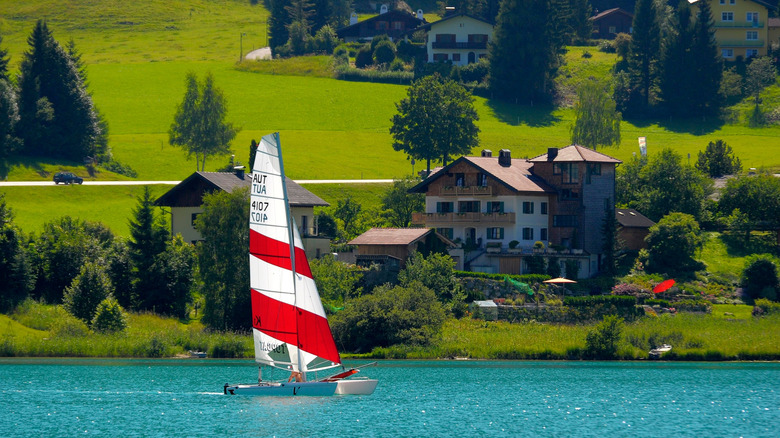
(398, 204)
(224, 271)
(718, 159)
(756, 196)
(672, 244)
(435, 121)
(596, 119)
(88, 289)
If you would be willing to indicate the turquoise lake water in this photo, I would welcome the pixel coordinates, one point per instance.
(69, 397)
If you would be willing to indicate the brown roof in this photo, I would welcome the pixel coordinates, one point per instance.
(603, 14)
(390, 236)
(630, 218)
(773, 22)
(189, 193)
(517, 176)
(576, 152)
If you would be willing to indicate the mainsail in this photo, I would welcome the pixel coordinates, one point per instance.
(288, 320)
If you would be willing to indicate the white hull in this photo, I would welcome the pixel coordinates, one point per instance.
(356, 387)
(317, 389)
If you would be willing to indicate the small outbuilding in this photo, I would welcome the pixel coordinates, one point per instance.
(633, 228)
(609, 23)
(391, 247)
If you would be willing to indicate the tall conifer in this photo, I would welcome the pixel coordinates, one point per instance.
(708, 64)
(678, 73)
(645, 41)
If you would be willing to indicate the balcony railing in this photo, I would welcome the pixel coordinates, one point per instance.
(466, 191)
(459, 45)
(742, 43)
(432, 219)
(738, 24)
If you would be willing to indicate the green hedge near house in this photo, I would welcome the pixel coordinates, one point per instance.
(525, 278)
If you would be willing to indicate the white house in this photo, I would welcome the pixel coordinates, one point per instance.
(459, 38)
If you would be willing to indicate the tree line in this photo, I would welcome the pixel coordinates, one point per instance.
(47, 110)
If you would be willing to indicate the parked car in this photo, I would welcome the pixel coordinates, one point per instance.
(67, 178)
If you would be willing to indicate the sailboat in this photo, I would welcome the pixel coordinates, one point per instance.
(289, 325)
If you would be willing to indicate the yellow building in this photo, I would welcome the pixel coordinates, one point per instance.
(741, 27)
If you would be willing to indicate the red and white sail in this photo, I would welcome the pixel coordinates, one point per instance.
(288, 320)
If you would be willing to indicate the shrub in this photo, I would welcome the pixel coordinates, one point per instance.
(606, 46)
(586, 54)
(364, 57)
(474, 72)
(693, 306)
(759, 278)
(324, 40)
(409, 51)
(654, 302)
(117, 167)
(630, 289)
(766, 307)
(109, 317)
(88, 289)
(384, 53)
(602, 342)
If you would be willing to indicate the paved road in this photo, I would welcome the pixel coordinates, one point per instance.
(144, 183)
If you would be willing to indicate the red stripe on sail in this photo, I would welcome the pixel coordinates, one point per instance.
(277, 253)
(281, 321)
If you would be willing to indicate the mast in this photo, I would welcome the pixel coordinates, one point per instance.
(291, 237)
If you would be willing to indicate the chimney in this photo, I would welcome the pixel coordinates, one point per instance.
(420, 14)
(505, 157)
(487, 153)
(239, 172)
(353, 18)
(449, 10)
(383, 9)
(552, 153)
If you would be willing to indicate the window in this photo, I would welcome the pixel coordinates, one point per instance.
(569, 171)
(398, 25)
(495, 207)
(482, 180)
(752, 35)
(456, 56)
(446, 232)
(381, 25)
(460, 179)
(612, 29)
(468, 207)
(444, 207)
(726, 16)
(440, 57)
(528, 207)
(731, 2)
(562, 220)
(569, 195)
(543, 234)
(752, 17)
(723, 2)
(749, 53)
(495, 233)
(593, 169)
(528, 233)
(544, 208)
(477, 38)
(727, 53)
(445, 37)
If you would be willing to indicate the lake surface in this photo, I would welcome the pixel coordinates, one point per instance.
(68, 397)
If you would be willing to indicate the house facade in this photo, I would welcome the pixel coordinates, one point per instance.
(458, 38)
(498, 208)
(186, 199)
(609, 23)
(741, 27)
(395, 24)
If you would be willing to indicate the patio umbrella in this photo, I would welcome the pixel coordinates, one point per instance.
(559, 281)
(663, 286)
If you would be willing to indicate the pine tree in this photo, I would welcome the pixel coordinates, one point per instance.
(57, 117)
(708, 65)
(148, 240)
(9, 117)
(645, 42)
(676, 83)
(278, 20)
(4, 59)
(15, 268)
(526, 51)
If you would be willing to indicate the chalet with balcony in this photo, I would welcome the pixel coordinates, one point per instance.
(395, 24)
(458, 38)
(498, 208)
(391, 247)
(186, 199)
(741, 27)
(609, 23)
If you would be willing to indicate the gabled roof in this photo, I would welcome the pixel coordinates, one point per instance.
(387, 16)
(603, 14)
(760, 2)
(189, 193)
(576, 153)
(391, 236)
(517, 176)
(450, 17)
(630, 218)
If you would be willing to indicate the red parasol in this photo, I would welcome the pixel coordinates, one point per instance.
(663, 286)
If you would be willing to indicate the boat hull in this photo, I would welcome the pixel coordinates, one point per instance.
(356, 387)
(312, 389)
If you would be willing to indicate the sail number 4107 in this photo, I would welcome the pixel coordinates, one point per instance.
(258, 211)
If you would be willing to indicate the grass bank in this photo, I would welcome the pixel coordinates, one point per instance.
(36, 330)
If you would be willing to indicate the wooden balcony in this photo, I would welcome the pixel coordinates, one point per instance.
(459, 45)
(441, 219)
(466, 191)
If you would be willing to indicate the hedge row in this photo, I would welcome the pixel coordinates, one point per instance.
(525, 278)
(589, 301)
(567, 315)
(346, 73)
